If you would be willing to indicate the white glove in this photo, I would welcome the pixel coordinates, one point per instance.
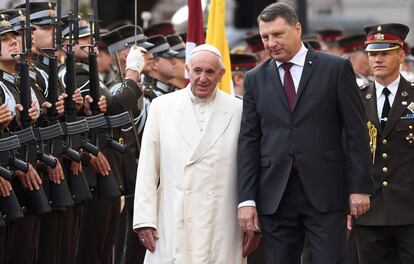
(135, 60)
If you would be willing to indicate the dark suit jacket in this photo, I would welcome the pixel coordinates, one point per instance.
(328, 102)
(393, 199)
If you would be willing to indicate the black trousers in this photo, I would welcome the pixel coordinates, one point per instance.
(134, 250)
(2, 243)
(99, 225)
(385, 244)
(284, 231)
(70, 234)
(50, 238)
(21, 240)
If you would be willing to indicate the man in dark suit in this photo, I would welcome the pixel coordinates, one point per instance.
(385, 234)
(292, 165)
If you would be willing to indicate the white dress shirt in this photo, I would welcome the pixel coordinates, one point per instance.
(296, 71)
(393, 87)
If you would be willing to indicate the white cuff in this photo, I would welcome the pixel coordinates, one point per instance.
(247, 203)
(141, 225)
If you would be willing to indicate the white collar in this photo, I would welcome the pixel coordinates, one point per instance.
(393, 87)
(298, 59)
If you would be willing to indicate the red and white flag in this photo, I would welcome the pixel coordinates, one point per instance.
(195, 30)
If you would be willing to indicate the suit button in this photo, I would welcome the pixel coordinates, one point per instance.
(384, 141)
(384, 155)
(410, 126)
(385, 169)
(385, 183)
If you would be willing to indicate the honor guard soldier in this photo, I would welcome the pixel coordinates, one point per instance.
(312, 40)
(21, 234)
(119, 41)
(100, 215)
(255, 46)
(240, 64)
(52, 237)
(327, 37)
(385, 234)
(162, 70)
(178, 45)
(353, 47)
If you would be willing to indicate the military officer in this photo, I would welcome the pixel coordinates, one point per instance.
(353, 47)
(119, 41)
(255, 46)
(327, 38)
(240, 64)
(385, 234)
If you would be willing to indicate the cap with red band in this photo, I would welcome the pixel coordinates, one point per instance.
(352, 43)
(242, 62)
(254, 41)
(385, 37)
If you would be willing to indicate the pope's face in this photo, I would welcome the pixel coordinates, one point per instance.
(205, 72)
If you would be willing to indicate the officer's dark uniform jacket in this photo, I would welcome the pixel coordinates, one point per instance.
(129, 136)
(393, 200)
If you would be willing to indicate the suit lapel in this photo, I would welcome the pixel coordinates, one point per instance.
(371, 107)
(310, 63)
(274, 80)
(186, 121)
(398, 108)
(217, 123)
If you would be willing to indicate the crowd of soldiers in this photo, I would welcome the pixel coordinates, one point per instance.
(48, 215)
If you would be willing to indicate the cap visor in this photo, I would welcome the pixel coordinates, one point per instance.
(168, 54)
(146, 45)
(381, 46)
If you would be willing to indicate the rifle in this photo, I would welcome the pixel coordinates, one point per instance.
(98, 123)
(51, 137)
(73, 129)
(28, 152)
(9, 206)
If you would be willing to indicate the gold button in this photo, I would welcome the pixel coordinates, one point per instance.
(384, 155)
(384, 141)
(385, 169)
(385, 183)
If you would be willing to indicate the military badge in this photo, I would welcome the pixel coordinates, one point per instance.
(368, 96)
(379, 36)
(404, 102)
(379, 28)
(411, 107)
(404, 94)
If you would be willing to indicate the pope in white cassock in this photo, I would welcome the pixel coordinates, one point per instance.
(185, 207)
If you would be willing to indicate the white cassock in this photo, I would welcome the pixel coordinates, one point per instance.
(186, 181)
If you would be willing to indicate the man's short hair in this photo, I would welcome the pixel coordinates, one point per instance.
(276, 10)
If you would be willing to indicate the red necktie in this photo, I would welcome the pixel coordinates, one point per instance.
(289, 85)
